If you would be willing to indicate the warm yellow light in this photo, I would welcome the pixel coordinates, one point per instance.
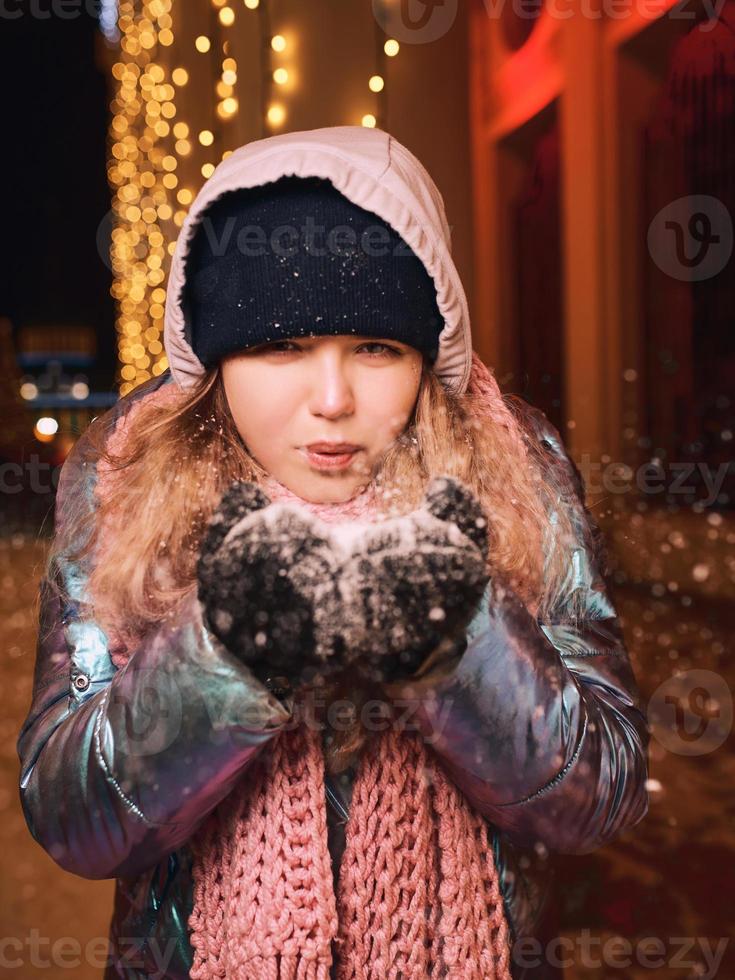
(166, 37)
(280, 76)
(202, 44)
(184, 196)
(181, 130)
(252, 4)
(183, 148)
(276, 115)
(180, 76)
(226, 108)
(391, 47)
(169, 163)
(207, 170)
(206, 137)
(47, 426)
(278, 42)
(376, 83)
(227, 16)
(369, 120)
(229, 77)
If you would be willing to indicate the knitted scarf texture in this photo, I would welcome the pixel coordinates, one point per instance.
(418, 892)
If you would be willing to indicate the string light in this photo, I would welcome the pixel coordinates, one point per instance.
(202, 44)
(384, 48)
(276, 114)
(278, 74)
(142, 174)
(227, 108)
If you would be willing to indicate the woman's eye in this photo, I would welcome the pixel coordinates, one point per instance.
(286, 346)
(277, 347)
(386, 349)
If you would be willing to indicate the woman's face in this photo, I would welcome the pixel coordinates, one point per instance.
(288, 394)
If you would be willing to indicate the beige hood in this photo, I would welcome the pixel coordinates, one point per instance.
(376, 172)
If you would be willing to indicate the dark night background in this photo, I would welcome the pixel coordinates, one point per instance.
(53, 162)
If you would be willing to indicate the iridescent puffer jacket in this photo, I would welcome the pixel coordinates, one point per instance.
(540, 725)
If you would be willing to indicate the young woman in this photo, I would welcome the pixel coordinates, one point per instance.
(327, 668)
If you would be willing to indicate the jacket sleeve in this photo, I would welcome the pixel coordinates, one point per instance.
(541, 725)
(118, 767)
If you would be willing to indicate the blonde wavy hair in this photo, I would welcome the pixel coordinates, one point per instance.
(180, 456)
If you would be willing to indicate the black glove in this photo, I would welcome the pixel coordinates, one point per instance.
(261, 570)
(414, 583)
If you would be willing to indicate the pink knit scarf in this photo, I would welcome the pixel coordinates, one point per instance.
(418, 892)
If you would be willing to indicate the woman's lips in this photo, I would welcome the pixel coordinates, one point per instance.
(329, 461)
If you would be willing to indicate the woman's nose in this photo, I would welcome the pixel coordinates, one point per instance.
(331, 388)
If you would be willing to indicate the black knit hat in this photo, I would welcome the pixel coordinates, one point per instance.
(295, 257)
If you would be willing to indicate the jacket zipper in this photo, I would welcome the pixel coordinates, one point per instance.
(335, 801)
